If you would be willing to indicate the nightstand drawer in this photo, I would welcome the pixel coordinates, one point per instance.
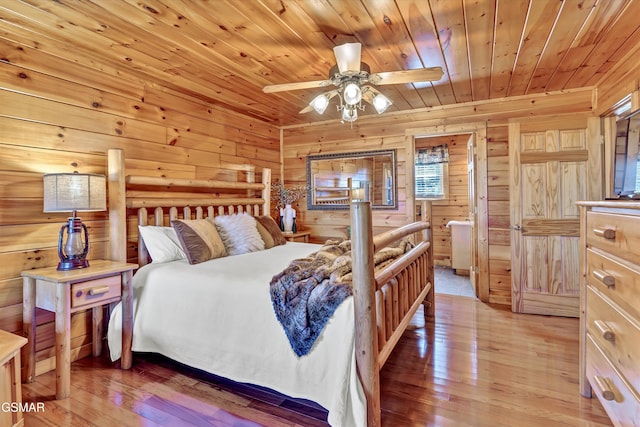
(616, 335)
(614, 394)
(617, 234)
(95, 291)
(618, 280)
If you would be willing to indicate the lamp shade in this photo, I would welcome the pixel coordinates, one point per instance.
(361, 193)
(66, 192)
(357, 194)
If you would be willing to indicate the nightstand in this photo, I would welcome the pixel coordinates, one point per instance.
(299, 236)
(10, 390)
(65, 292)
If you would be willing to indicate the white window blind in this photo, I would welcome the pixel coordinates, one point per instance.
(430, 172)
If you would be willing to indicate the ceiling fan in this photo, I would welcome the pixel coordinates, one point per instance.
(354, 82)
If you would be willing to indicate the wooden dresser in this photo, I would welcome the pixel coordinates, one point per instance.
(610, 308)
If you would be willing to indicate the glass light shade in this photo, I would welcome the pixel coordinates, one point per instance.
(348, 56)
(320, 103)
(349, 114)
(381, 103)
(67, 192)
(352, 94)
(75, 244)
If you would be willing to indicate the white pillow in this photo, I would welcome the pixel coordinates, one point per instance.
(239, 233)
(162, 243)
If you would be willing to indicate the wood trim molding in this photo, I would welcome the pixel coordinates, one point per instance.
(515, 215)
(563, 156)
(567, 101)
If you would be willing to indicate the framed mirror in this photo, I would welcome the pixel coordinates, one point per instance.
(335, 179)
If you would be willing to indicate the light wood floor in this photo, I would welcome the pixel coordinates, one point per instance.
(476, 365)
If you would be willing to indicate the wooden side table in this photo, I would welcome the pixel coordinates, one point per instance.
(10, 389)
(65, 292)
(299, 236)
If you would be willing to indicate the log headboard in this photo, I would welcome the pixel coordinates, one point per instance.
(142, 196)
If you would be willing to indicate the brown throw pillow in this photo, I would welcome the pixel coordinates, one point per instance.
(199, 239)
(269, 231)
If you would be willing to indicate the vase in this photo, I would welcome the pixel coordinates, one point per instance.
(288, 215)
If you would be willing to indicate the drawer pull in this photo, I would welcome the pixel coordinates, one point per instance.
(99, 291)
(604, 278)
(605, 331)
(607, 233)
(602, 384)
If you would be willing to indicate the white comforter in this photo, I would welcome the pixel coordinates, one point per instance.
(217, 316)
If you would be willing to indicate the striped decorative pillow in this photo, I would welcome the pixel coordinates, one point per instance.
(270, 232)
(199, 239)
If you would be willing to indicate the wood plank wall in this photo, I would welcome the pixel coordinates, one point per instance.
(456, 205)
(396, 131)
(498, 205)
(56, 116)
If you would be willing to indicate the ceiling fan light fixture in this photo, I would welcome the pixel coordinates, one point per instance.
(381, 103)
(349, 114)
(353, 81)
(320, 103)
(352, 94)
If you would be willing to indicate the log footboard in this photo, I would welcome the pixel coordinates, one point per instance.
(385, 301)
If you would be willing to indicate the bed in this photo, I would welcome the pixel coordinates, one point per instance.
(217, 315)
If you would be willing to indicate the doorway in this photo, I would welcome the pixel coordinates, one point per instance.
(445, 173)
(449, 283)
(480, 237)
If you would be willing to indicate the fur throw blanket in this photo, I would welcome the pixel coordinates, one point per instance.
(306, 294)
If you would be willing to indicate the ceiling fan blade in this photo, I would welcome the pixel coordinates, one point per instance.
(407, 76)
(296, 86)
(306, 109)
(368, 93)
(348, 57)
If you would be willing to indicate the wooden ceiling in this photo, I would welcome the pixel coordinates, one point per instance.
(225, 51)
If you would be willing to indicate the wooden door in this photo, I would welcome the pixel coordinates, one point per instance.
(549, 173)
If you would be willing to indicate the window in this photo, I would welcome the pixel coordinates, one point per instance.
(431, 172)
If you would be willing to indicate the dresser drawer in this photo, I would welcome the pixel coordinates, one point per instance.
(619, 281)
(617, 234)
(617, 399)
(97, 291)
(617, 336)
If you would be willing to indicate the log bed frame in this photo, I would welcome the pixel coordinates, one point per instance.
(384, 302)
